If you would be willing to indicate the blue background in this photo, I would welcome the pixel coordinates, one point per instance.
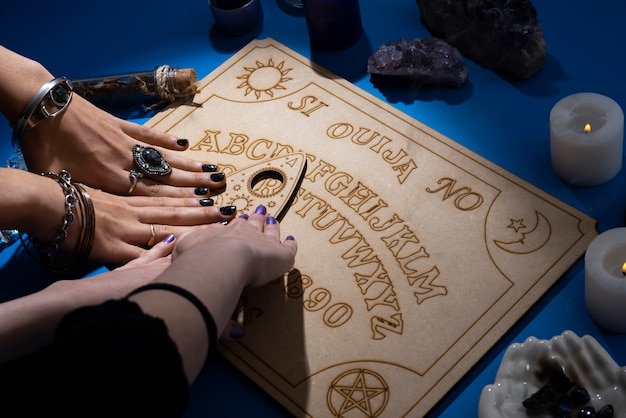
(504, 120)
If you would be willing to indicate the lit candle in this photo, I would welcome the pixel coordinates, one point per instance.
(605, 281)
(586, 139)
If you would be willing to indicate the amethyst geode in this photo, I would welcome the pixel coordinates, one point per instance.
(502, 35)
(427, 61)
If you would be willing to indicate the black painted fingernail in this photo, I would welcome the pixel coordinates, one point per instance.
(209, 168)
(206, 202)
(200, 191)
(182, 142)
(228, 210)
(217, 177)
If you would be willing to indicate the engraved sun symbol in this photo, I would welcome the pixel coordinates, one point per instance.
(241, 201)
(264, 78)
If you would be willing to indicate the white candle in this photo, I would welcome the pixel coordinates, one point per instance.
(605, 283)
(586, 158)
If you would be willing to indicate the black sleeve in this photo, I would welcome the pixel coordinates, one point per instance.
(109, 360)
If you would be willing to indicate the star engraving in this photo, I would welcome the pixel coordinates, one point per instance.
(517, 224)
(359, 391)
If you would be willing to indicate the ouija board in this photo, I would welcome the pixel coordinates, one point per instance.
(415, 254)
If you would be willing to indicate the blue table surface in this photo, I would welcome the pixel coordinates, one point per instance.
(504, 120)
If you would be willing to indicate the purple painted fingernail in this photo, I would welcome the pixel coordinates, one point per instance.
(169, 239)
(260, 210)
(290, 238)
(236, 331)
(244, 216)
(271, 220)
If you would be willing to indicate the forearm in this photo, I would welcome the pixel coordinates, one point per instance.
(218, 288)
(29, 323)
(20, 79)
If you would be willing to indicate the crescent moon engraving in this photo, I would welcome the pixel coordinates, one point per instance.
(532, 240)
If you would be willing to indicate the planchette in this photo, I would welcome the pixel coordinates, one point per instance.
(272, 183)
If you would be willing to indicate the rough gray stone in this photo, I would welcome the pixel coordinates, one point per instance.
(428, 61)
(502, 35)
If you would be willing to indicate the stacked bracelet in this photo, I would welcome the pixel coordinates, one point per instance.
(51, 100)
(75, 196)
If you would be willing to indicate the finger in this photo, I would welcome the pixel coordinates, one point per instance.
(257, 219)
(151, 136)
(185, 216)
(160, 250)
(180, 183)
(165, 201)
(140, 234)
(232, 331)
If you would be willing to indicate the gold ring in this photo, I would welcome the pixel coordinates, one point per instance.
(150, 242)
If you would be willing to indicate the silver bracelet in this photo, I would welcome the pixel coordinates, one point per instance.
(51, 100)
(63, 178)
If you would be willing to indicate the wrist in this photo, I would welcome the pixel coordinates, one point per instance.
(23, 78)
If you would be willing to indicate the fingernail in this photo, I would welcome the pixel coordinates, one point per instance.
(228, 210)
(206, 202)
(209, 168)
(217, 177)
(244, 216)
(290, 238)
(260, 210)
(271, 220)
(169, 239)
(182, 142)
(236, 330)
(201, 190)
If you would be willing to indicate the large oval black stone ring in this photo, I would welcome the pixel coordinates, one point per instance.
(150, 161)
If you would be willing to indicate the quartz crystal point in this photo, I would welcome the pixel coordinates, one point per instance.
(428, 61)
(502, 35)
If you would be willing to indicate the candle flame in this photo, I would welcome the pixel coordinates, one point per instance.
(587, 128)
(624, 269)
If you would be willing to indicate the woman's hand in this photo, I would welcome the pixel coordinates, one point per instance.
(125, 224)
(96, 147)
(251, 246)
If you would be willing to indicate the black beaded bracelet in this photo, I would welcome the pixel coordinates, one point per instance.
(211, 328)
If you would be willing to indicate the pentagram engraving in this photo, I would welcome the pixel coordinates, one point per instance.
(358, 393)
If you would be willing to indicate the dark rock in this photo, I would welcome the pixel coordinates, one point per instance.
(502, 35)
(428, 61)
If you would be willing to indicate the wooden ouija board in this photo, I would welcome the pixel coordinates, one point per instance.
(415, 254)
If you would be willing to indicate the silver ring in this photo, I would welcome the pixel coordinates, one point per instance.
(134, 178)
(151, 161)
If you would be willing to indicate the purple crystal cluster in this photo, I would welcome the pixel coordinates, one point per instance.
(502, 35)
(428, 61)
